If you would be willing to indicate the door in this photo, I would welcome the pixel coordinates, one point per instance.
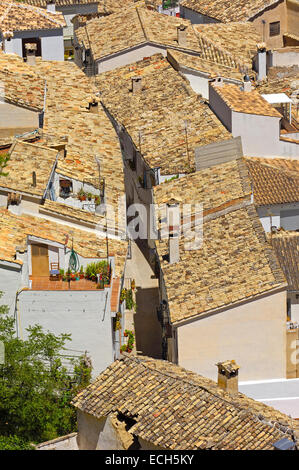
(40, 260)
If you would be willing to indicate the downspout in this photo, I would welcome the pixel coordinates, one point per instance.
(17, 313)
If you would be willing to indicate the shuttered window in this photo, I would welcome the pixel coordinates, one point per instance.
(274, 28)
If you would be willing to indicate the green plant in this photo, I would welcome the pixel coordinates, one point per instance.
(123, 295)
(81, 195)
(61, 272)
(117, 324)
(175, 177)
(14, 443)
(99, 267)
(131, 340)
(130, 304)
(4, 157)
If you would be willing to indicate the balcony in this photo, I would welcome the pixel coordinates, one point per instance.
(44, 283)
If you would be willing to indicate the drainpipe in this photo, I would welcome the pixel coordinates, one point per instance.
(17, 312)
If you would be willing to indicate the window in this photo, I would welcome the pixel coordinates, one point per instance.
(274, 28)
(65, 188)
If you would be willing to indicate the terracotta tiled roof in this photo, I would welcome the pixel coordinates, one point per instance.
(159, 112)
(14, 231)
(109, 35)
(234, 261)
(286, 246)
(274, 181)
(177, 409)
(58, 208)
(24, 159)
(228, 10)
(22, 85)
(213, 187)
(89, 135)
(237, 39)
(293, 36)
(61, 3)
(249, 102)
(15, 16)
(212, 69)
(115, 295)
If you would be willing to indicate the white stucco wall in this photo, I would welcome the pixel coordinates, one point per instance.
(260, 134)
(97, 434)
(129, 57)
(283, 215)
(200, 83)
(221, 109)
(10, 282)
(285, 58)
(281, 394)
(89, 429)
(294, 307)
(80, 313)
(52, 46)
(253, 334)
(16, 118)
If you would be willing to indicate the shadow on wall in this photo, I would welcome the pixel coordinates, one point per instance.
(147, 327)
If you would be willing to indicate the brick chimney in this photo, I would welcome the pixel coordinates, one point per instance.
(228, 376)
(173, 220)
(182, 35)
(31, 49)
(136, 84)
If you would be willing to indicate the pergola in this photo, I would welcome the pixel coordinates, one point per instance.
(283, 99)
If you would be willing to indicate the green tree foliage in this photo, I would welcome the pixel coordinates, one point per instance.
(14, 443)
(35, 388)
(4, 157)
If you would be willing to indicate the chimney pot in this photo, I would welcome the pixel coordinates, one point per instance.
(136, 84)
(228, 376)
(261, 61)
(218, 81)
(34, 179)
(182, 35)
(247, 84)
(51, 5)
(173, 216)
(94, 107)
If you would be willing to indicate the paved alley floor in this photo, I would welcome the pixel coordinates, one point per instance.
(147, 327)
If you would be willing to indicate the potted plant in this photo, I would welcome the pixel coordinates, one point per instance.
(73, 276)
(81, 274)
(97, 200)
(68, 274)
(61, 273)
(77, 276)
(89, 196)
(81, 195)
(122, 295)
